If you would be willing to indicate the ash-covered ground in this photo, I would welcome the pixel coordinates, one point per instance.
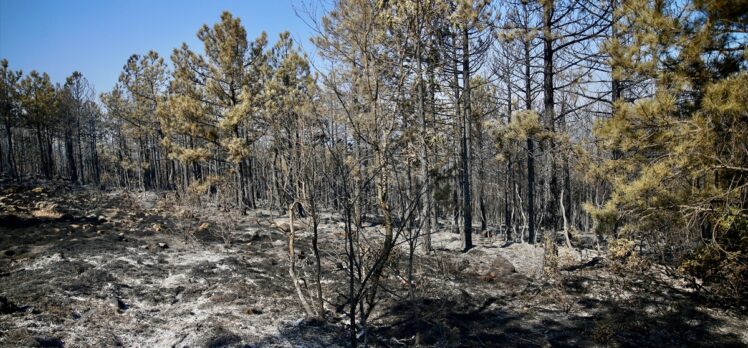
(82, 268)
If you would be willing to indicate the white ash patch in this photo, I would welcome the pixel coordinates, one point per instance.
(44, 262)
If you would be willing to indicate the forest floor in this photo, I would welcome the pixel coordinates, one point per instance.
(98, 269)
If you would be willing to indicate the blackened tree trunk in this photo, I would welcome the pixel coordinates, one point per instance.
(50, 154)
(426, 192)
(95, 159)
(43, 154)
(82, 175)
(69, 154)
(549, 114)
(467, 211)
(12, 169)
(508, 180)
(530, 151)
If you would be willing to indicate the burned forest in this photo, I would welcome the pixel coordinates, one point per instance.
(413, 173)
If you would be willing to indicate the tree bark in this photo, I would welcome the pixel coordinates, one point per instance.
(42, 154)
(563, 214)
(467, 212)
(12, 169)
(426, 182)
(508, 180)
(292, 262)
(530, 152)
(549, 112)
(72, 170)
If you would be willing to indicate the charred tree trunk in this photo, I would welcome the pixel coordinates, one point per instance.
(467, 212)
(12, 169)
(426, 191)
(530, 151)
(82, 176)
(508, 180)
(43, 154)
(69, 153)
(549, 113)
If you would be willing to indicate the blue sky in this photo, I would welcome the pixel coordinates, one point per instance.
(97, 37)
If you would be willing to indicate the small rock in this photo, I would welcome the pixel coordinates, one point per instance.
(119, 304)
(461, 265)
(46, 341)
(13, 221)
(219, 337)
(260, 235)
(7, 307)
(163, 245)
(502, 266)
(121, 236)
(278, 243)
(254, 310)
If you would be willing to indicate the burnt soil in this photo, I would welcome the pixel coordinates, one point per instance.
(81, 268)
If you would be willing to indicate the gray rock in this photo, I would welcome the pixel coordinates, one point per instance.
(260, 235)
(501, 266)
(461, 265)
(7, 307)
(219, 337)
(118, 304)
(47, 341)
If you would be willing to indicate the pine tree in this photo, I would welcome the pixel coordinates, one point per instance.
(9, 111)
(679, 182)
(145, 79)
(212, 100)
(40, 101)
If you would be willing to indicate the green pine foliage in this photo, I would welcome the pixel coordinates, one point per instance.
(680, 184)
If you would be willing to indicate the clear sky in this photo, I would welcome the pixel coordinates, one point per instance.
(96, 37)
